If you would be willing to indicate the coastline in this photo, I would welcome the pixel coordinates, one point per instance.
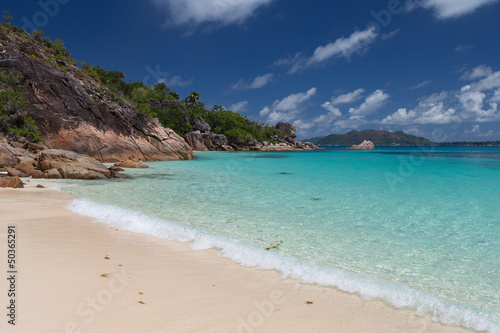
(66, 284)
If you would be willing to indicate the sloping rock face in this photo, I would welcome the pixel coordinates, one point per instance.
(74, 112)
(363, 146)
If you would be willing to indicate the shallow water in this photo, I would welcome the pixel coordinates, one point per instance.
(417, 227)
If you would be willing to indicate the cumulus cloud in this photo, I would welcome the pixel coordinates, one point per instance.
(288, 108)
(256, 83)
(424, 114)
(446, 9)
(477, 73)
(348, 98)
(239, 107)
(371, 104)
(195, 12)
(358, 42)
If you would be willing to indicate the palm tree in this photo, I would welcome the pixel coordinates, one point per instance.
(193, 97)
(174, 95)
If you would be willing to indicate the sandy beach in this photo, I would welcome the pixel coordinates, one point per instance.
(74, 275)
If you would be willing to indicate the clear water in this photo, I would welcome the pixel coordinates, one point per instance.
(416, 227)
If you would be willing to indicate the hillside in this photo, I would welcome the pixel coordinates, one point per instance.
(379, 138)
(44, 95)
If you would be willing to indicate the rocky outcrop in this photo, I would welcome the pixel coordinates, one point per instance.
(287, 129)
(136, 163)
(74, 112)
(195, 140)
(363, 146)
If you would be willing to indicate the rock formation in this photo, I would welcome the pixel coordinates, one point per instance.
(51, 164)
(74, 112)
(364, 145)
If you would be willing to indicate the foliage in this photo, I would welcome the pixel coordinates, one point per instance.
(10, 79)
(236, 128)
(13, 116)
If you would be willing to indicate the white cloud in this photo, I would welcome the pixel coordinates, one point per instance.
(333, 110)
(358, 42)
(477, 73)
(423, 114)
(348, 98)
(293, 101)
(258, 82)
(445, 9)
(195, 12)
(421, 85)
(288, 108)
(176, 81)
(371, 104)
(400, 117)
(239, 107)
(495, 98)
(472, 102)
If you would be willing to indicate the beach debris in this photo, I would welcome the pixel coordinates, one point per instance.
(309, 303)
(106, 257)
(140, 293)
(141, 302)
(274, 246)
(40, 186)
(104, 275)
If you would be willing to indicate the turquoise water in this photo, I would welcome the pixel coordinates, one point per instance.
(416, 227)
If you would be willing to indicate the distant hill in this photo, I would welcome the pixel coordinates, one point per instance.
(379, 138)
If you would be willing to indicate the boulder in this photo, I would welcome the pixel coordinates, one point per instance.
(12, 182)
(133, 164)
(199, 124)
(364, 145)
(57, 158)
(220, 140)
(195, 140)
(7, 160)
(37, 174)
(75, 172)
(52, 174)
(26, 167)
(15, 173)
(287, 129)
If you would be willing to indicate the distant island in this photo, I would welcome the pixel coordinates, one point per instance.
(387, 138)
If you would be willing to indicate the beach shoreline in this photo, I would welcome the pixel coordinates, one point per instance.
(74, 275)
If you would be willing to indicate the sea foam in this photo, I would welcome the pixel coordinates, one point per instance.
(397, 295)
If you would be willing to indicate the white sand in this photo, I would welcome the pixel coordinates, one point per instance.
(61, 257)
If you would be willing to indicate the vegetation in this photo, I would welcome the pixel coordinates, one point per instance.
(13, 116)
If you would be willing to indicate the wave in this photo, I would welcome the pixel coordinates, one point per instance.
(397, 295)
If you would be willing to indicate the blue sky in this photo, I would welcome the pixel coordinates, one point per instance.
(427, 67)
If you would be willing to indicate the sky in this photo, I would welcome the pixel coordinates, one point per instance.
(428, 67)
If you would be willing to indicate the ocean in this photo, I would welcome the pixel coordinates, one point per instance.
(417, 227)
